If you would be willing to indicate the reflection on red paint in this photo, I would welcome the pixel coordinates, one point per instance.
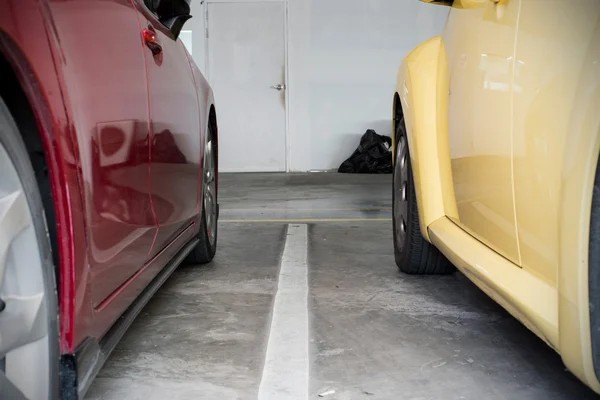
(123, 132)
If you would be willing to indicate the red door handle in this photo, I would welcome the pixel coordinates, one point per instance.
(151, 42)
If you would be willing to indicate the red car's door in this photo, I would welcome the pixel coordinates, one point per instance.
(175, 129)
(106, 91)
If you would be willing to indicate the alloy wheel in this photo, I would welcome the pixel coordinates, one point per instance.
(24, 331)
(401, 192)
(210, 190)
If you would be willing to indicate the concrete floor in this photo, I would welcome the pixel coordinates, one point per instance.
(373, 332)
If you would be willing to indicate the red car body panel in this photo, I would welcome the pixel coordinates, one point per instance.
(103, 75)
(124, 133)
(175, 153)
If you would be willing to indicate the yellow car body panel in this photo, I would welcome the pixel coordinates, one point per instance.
(528, 298)
(503, 123)
(418, 93)
(482, 67)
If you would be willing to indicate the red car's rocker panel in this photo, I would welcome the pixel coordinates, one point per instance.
(126, 175)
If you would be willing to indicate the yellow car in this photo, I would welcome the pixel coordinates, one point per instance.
(496, 149)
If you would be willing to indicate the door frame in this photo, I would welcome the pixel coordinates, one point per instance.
(206, 20)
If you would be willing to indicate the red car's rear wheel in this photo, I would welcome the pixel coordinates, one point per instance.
(207, 247)
(29, 356)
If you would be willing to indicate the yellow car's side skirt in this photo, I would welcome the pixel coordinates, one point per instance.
(528, 298)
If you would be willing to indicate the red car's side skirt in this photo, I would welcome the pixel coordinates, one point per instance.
(79, 369)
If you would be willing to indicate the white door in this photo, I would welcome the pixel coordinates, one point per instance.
(246, 69)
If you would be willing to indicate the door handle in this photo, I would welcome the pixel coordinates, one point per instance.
(278, 87)
(151, 41)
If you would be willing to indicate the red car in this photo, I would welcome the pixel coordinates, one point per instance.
(108, 180)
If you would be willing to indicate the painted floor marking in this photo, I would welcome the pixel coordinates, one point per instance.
(285, 374)
(306, 220)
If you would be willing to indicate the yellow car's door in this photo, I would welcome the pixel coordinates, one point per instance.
(480, 43)
(554, 52)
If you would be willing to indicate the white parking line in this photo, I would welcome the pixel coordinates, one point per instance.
(285, 374)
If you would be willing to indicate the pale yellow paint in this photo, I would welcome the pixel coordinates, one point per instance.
(524, 295)
(513, 88)
(443, 142)
(580, 157)
(418, 94)
(482, 67)
(467, 4)
(549, 63)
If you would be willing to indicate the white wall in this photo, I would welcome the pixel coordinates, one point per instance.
(343, 57)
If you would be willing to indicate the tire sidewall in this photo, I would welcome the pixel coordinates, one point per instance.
(12, 141)
(594, 272)
(212, 247)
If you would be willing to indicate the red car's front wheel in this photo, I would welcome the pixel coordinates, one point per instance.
(29, 357)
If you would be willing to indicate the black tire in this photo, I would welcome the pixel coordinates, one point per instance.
(206, 249)
(413, 254)
(12, 141)
(594, 273)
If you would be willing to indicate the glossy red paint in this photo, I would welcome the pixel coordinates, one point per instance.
(123, 113)
(113, 136)
(175, 157)
(32, 59)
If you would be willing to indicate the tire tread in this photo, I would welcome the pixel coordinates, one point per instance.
(421, 257)
(203, 253)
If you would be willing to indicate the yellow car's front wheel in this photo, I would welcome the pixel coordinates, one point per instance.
(414, 255)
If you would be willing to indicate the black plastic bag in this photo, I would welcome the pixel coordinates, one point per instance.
(373, 156)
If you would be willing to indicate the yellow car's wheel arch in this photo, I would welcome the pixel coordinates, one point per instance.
(422, 77)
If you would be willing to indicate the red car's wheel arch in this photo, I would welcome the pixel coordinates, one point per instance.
(20, 65)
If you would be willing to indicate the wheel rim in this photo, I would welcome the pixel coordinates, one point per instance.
(401, 192)
(24, 338)
(210, 191)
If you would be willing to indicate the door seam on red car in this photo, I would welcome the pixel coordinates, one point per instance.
(150, 135)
